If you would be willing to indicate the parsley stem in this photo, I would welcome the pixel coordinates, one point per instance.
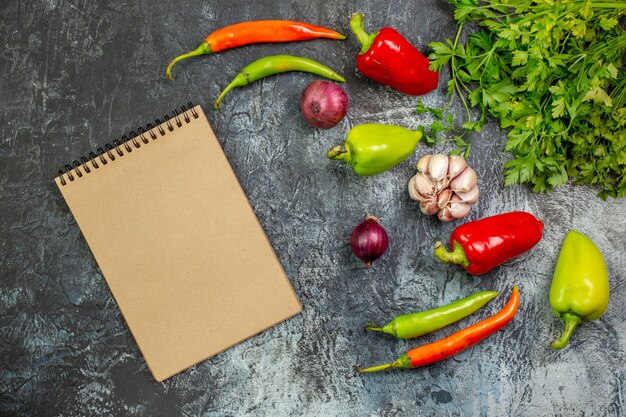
(457, 81)
(616, 5)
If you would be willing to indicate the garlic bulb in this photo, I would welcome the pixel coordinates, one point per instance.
(444, 185)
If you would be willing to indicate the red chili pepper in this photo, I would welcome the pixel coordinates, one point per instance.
(258, 31)
(481, 245)
(456, 342)
(389, 59)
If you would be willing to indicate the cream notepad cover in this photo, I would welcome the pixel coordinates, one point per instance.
(178, 243)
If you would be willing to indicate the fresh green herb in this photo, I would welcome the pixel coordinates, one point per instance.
(550, 71)
(441, 129)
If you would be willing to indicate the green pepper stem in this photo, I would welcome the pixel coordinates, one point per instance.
(376, 368)
(402, 362)
(203, 49)
(339, 152)
(240, 80)
(370, 326)
(571, 321)
(358, 28)
(225, 91)
(389, 328)
(456, 257)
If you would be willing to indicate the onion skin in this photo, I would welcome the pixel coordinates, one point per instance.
(369, 240)
(323, 104)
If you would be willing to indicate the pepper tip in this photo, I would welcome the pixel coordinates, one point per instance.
(168, 70)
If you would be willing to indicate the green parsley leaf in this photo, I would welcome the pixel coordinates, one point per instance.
(550, 72)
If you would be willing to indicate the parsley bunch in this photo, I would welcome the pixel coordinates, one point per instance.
(550, 70)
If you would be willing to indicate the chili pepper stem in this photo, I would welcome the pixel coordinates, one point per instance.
(376, 368)
(388, 328)
(455, 257)
(203, 49)
(402, 362)
(571, 321)
(339, 152)
(358, 28)
(370, 326)
(242, 79)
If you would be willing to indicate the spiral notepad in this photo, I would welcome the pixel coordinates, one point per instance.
(177, 242)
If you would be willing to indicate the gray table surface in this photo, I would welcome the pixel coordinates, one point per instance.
(77, 74)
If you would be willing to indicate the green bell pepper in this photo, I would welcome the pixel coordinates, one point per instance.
(374, 148)
(580, 287)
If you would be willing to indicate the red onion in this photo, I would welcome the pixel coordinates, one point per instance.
(369, 240)
(324, 104)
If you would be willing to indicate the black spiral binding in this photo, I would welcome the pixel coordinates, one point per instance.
(120, 148)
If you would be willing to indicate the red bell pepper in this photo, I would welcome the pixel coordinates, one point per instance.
(481, 245)
(389, 59)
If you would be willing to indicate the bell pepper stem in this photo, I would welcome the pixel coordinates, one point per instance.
(203, 49)
(571, 321)
(455, 257)
(339, 152)
(402, 362)
(358, 28)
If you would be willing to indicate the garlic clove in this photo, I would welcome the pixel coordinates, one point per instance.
(423, 184)
(429, 207)
(412, 190)
(465, 181)
(444, 215)
(444, 197)
(458, 208)
(414, 193)
(438, 170)
(456, 165)
(422, 164)
(470, 196)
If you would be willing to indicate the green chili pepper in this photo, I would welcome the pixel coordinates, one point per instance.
(374, 148)
(580, 287)
(276, 64)
(424, 322)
